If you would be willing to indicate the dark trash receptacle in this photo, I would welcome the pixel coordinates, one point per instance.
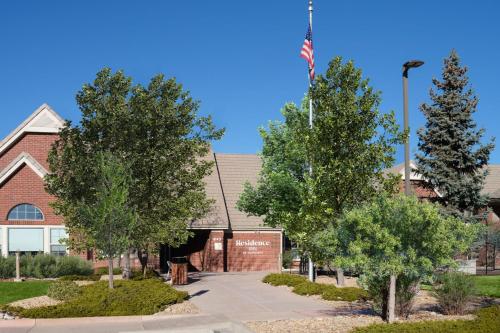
(179, 270)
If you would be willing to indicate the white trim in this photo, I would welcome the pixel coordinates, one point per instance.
(5, 239)
(23, 158)
(27, 126)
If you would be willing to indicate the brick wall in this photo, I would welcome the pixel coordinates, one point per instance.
(25, 186)
(253, 251)
(36, 144)
(216, 251)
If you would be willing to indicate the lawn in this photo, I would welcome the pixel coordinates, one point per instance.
(488, 285)
(13, 291)
(485, 285)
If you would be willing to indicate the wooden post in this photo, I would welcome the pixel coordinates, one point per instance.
(18, 267)
(391, 302)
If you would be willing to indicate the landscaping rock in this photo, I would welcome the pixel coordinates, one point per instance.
(6, 316)
(185, 307)
(337, 324)
(35, 302)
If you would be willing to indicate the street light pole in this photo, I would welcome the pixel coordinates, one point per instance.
(406, 66)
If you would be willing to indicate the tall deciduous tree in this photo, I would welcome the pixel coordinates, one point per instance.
(157, 131)
(349, 146)
(108, 220)
(452, 157)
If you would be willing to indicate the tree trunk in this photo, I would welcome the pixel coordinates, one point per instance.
(143, 258)
(340, 277)
(311, 270)
(110, 272)
(126, 267)
(391, 299)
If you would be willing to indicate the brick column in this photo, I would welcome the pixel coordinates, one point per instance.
(214, 252)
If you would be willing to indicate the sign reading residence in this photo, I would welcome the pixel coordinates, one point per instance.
(252, 246)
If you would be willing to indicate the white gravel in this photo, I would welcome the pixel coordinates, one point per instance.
(337, 324)
(185, 307)
(35, 302)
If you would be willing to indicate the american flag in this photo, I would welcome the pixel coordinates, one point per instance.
(307, 52)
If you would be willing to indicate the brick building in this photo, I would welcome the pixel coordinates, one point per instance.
(225, 240)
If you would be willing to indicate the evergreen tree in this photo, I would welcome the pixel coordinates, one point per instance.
(452, 158)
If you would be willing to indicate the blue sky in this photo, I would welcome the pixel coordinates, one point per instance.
(240, 58)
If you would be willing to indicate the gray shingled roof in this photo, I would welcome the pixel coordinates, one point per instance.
(225, 185)
(492, 182)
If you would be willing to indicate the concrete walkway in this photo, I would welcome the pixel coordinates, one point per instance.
(243, 297)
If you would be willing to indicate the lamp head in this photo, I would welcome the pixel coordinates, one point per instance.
(413, 64)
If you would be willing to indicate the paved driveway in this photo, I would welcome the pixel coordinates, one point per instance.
(243, 297)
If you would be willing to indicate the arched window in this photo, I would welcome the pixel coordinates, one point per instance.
(25, 212)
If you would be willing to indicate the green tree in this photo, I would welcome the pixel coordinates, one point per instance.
(452, 158)
(349, 146)
(402, 238)
(156, 130)
(108, 220)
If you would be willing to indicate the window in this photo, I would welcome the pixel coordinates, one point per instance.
(57, 234)
(25, 212)
(26, 240)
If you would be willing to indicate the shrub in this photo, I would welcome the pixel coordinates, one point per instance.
(44, 266)
(104, 271)
(63, 290)
(39, 266)
(138, 275)
(287, 259)
(7, 267)
(127, 298)
(349, 294)
(73, 266)
(488, 320)
(93, 277)
(302, 286)
(406, 290)
(289, 280)
(309, 288)
(378, 291)
(453, 291)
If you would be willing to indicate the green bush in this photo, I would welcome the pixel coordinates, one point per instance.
(287, 258)
(68, 265)
(309, 288)
(63, 290)
(289, 280)
(327, 291)
(93, 277)
(39, 266)
(104, 271)
(349, 294)
(127, 298)
(44, 266)
(453, 291)
(488, 320)
(138, 275)
(7, 267)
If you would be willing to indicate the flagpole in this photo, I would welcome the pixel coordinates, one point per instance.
(311, 264)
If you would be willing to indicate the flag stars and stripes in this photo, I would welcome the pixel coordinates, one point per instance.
(307, 52)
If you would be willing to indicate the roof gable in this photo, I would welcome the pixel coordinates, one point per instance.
(43, 120)
(18, 162)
